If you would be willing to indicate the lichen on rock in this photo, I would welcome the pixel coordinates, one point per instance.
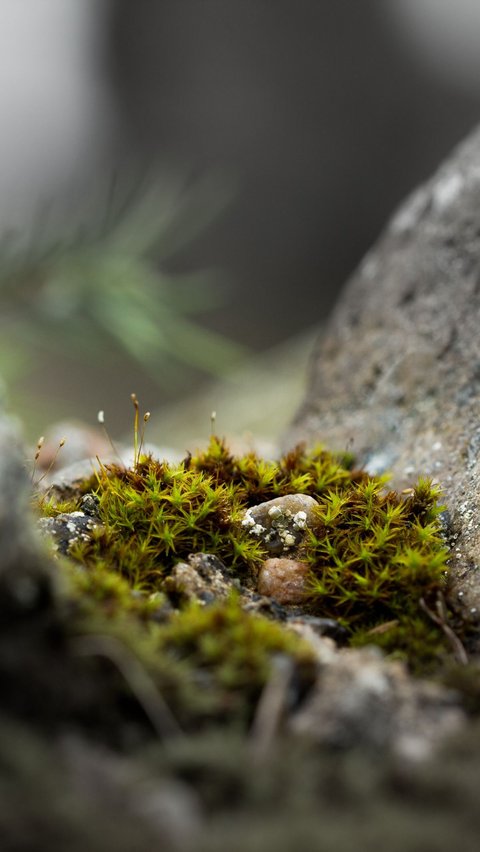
(281, 523)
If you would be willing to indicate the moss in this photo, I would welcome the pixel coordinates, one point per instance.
(157, 514)
(209, 664)
(50, 507)
(374, 555)
(232, 649)
(177, 690)
(410, 637)
(102, 590)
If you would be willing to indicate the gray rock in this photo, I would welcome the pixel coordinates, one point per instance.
(281, 523)
(68, 528)
(362, 698)
(168, 808)
(25, 579)
(203, 578)
(397, 375)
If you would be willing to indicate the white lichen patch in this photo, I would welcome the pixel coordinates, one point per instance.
(300, 520)
(275, 512)
(248, 520)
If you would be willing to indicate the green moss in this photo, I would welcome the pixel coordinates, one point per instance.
(50, 507)
(229, 652)
(256, 480)
(410, 637)
(224, 639)
(208, 664)
(102, 590)
(374, 555)
(157, 514)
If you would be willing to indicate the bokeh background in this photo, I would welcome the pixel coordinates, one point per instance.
(185, 186)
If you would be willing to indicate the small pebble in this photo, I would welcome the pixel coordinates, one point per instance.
(281, 523)
(284, 579)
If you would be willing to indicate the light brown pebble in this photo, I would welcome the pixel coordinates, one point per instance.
(284, 579)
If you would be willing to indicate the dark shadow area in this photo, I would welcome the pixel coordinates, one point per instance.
(317, 113)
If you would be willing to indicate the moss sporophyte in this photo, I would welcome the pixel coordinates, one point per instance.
(376, 560)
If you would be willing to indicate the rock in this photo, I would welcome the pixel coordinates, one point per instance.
(166, 807)
(397, 375)
(68, 528)
(281, 523)
(203, 578)
(89, 505)
(25, 579)
(63, 483)
(363, 698)
(284, 579)
(312, 626)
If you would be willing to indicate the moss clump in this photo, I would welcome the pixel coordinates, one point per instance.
(102, 590)
(156, 515)
(410, 637)
(229, 652)
(374, 555)
(209, 665)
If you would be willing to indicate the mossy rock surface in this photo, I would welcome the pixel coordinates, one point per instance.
(377, 562)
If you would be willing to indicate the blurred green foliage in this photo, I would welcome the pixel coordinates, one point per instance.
(110, 286)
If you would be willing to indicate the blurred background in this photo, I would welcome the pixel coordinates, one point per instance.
(185, 186)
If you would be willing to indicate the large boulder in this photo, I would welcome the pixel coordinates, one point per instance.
(396, 377)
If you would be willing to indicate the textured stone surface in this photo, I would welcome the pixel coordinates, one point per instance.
(361, 697)
(284, 579)
(68, 528)
(203, 578)
(281, 523)
(396, 377)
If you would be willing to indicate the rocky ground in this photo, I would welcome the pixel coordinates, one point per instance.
(343, 748)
